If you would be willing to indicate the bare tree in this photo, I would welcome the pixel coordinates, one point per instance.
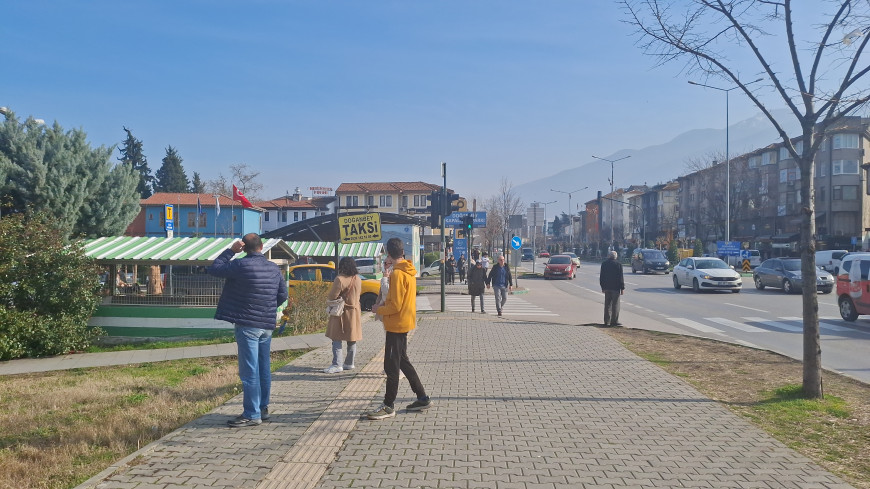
(499, 209)
(826, 43)
(242, 176)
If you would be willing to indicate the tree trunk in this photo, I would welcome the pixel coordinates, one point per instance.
(812, 371)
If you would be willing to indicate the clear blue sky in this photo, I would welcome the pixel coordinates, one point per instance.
(319, 92)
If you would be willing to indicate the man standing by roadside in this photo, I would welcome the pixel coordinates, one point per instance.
(253, 290)
(613, 286)
(501, 281)
(399, 314)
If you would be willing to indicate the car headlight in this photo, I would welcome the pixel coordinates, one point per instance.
(707, 277)
(667, 263)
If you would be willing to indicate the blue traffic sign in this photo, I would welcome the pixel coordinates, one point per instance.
(516, 242)
(728, 248)
(455, 219)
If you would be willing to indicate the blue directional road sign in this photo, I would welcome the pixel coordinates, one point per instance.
(516, 242)
(455, 219)
(728, 248)
(460, 247)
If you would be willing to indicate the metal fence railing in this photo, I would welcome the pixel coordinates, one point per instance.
(161, 285)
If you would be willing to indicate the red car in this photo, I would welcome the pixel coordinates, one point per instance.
(543, 254)
(560, 266)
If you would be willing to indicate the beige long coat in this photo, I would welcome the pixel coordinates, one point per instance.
(348, 326)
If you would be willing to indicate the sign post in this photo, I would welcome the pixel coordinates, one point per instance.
(516, 244)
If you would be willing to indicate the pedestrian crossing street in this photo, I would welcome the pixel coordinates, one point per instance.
(763, 325)
(515, 306)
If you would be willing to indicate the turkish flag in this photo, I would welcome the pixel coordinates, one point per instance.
(237, 195)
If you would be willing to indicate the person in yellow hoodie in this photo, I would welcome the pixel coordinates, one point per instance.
(399, 313)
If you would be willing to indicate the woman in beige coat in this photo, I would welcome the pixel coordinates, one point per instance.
(348, 326)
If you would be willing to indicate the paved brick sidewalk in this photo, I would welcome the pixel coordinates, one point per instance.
(517, 405)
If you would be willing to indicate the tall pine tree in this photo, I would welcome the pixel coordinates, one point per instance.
(132, 155)
(171, 177)
(46, 169)
(197, 185)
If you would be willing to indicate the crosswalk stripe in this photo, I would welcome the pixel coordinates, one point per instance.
(737, 325)
(776, 324)
(513, 307)
(696, 325)
(822, 325)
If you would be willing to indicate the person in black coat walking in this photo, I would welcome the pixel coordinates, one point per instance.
(613, 286)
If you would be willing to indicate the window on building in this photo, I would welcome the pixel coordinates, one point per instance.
(304, 215)
(351, 201)
(405, 201)
(150, 216)
(845, 167)
(191, 220)
(754, 161)
(347, 201)
(266, 216)
(386, 201)
(799, 147)
(783, 153)
(821, 170)
(783, 176)
(845, 192)
(762, 189)
(416, 201)
(768, 158)
(843, 141)
(370, 200)
(235, 218)
(296, 216)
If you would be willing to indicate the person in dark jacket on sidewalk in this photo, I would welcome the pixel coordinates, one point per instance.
(613, 286)
(500, 280)
(253, 290)
(477, 283)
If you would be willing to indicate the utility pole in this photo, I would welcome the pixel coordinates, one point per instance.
(444, 205)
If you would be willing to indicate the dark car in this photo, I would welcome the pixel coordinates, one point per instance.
(528, 255)
(785, 274)
(649, 261)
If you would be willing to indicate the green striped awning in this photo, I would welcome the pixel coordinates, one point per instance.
(188, 250)
(318, 248)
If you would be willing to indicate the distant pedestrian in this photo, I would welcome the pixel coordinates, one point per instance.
(253, 290)
(451, 270)
(500, 280)
(460, 267)
(399, 313)
(485, 259)
(613, 286)
(348, 326)
(477, 284)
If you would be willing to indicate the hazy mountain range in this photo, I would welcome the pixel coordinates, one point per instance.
(651, 165)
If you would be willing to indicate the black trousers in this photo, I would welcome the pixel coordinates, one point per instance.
(395, 359)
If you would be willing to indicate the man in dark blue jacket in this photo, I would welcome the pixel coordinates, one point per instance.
(253, 290)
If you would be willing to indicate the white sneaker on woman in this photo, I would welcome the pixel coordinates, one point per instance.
(333, 369)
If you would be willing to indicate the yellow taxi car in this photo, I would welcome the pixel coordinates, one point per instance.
(319, 272)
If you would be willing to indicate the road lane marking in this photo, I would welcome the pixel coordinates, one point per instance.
(776, 324)
(822, 325)
(744, 307)
(696, 325)
(737, 325)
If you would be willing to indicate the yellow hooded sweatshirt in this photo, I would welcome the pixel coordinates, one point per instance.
(400, 309)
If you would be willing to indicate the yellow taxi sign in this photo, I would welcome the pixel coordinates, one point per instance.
(359, 228)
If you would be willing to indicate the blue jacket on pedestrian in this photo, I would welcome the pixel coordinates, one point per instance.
(500, 276)
(253, 290)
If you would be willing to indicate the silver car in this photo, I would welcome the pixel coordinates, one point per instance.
(704, 273)
(785, 274)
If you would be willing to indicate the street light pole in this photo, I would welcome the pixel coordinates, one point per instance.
(727, 156)
(570, 212)
(611, 190)
(534, 226)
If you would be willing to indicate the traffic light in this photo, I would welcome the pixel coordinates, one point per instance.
(451, 204)
(435, 209)
(468, 224)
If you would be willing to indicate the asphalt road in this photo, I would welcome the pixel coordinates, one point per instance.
(767, 319)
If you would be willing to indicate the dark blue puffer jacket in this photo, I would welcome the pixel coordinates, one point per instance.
(253, 290)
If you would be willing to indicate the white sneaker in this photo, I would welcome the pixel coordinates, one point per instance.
(333, 369)
(348, 367)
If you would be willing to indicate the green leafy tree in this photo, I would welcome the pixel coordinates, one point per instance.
(197, 185)
(673, 252)
(171, 177)
(48, 289)
(57, 173)
(131, 154)
(698, 249)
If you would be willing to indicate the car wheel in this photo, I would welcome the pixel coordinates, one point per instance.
(677, 283)
(847, 309)
(836, 271)
(758, 284)
(695, 285)
(367, 300)
(787, 286)
(424, 274)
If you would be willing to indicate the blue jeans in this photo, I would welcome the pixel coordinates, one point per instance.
(254, 369)
(336, 353)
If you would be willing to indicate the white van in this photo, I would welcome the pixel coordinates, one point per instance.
(829, 260)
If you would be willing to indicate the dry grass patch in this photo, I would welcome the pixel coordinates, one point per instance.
(57, 429)
(765, 388)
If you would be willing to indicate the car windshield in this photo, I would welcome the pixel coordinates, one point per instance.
(710, 264)
(560, 260)
(572, 255)
(653, 255)
(791, 265)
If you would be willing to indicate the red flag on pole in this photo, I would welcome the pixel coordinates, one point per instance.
(237, 195)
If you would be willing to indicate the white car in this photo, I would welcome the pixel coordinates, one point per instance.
(705, 273)
(433, 269)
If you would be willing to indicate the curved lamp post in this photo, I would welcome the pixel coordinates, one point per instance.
(611, 190)
(570, 211)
